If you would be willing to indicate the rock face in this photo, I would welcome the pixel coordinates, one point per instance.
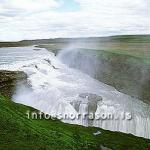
(92, 99)
(87, 103)
(89, 99)
(8, 81)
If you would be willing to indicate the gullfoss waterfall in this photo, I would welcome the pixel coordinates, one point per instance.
(55, 88)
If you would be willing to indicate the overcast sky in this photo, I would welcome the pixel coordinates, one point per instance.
(34, 19)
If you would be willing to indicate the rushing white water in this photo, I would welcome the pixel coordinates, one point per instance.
(57, 89)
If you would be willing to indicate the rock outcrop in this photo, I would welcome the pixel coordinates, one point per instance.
(8, 81)
(89, 99)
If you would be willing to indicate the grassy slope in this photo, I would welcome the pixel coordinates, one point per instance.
(17, 132)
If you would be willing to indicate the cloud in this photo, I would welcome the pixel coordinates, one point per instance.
(28, 19)
(26, 6)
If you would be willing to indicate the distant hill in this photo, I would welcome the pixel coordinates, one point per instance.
(120, 38)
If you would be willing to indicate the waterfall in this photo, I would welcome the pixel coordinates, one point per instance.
(75, 58)
(55, 88)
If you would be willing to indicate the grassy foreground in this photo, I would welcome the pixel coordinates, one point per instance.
(18, 132)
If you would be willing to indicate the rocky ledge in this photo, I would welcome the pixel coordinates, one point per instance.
(8, 81)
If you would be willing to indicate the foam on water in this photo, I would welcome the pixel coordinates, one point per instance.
(56, 88)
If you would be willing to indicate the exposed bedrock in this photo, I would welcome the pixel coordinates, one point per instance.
(87, 103)
(9, 80)
(89, 99)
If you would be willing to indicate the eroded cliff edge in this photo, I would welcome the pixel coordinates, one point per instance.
(9, 80)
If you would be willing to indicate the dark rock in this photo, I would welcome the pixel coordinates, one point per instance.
(89, 99)
(9, 80)
(92, 99)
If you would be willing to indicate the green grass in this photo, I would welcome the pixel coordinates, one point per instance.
(132, 38)
(18, 132)
(141, 57)
(145, 57)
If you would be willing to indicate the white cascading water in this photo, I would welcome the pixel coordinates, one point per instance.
(58, 89)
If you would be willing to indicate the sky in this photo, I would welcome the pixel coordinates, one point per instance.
(42, 19)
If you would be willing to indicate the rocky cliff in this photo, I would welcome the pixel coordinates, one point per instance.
(8, 81)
